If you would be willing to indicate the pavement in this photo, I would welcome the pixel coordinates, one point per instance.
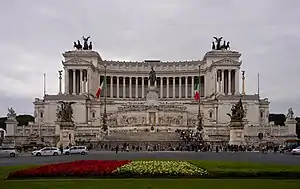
(270, 158)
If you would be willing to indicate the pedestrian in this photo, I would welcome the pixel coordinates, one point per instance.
(117, 149)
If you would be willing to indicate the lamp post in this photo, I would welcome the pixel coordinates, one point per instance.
(104, 126)
(200, 125)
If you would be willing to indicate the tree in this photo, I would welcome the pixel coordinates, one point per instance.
(22, 119)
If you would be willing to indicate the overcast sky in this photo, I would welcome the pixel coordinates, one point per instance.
(34, 33)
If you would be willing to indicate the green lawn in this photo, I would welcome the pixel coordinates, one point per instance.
(162, 183)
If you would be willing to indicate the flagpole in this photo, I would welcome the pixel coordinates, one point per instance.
(258, 85)
(44, 84)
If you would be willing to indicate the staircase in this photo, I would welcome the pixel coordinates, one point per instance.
(143, 136)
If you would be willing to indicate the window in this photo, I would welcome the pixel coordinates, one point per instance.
(210, 114)
(93, 114)
(261, 114)
(41, 114)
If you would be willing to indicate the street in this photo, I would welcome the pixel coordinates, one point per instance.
(270, 158)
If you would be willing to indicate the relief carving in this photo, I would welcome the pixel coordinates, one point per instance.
(171, 120)
(134, 120)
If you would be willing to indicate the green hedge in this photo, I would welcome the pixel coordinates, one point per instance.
(223, 169)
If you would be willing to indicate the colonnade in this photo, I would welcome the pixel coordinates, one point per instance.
(168, 87)
(227, 82)
(76, 81)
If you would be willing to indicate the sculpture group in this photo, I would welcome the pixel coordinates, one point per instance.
(65, 111)
(237, 112)
(218, 46)
(86, 44)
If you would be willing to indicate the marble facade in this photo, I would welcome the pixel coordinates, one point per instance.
(127, 107)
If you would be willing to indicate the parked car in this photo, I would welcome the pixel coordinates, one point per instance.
(296, 150)
(76, 150)
(47, 151)
(8, 152)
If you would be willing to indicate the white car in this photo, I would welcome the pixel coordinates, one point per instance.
(76, 150)
(47, 151)
(8, 152)
(296, 150)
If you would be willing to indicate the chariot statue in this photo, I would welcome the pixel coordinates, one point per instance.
(217, 44)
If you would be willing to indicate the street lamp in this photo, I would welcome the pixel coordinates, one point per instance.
(200, 125)
(104, 126)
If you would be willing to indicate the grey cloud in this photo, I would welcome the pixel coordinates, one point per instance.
(265, 32)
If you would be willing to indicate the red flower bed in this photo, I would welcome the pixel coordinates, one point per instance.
(76, 169)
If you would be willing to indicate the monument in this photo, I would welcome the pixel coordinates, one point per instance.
(11, 124)
(236, 126)
(65, 127)
(152, 92)
(291, 123)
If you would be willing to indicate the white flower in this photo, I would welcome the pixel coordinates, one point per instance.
(168, 168)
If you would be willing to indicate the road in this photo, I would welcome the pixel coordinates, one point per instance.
(271, 158)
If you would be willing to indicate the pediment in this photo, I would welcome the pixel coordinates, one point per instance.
(76, 61)
(227, 61)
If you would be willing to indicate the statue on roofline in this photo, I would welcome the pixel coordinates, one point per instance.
(86, 44)
(217, 44)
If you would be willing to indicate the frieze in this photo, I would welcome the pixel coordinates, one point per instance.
(148, 107)
(76, 60)
(171, 120)
(226, 61)
(81, 53)
(133, 120)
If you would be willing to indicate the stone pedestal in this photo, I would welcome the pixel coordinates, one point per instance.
(67, 134)
(152, 95)
(290, 123)
(237, 133)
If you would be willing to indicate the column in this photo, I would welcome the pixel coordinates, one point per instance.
(136, 87)
(161, 87)
(186, 87)
(143, 87)
(216, 82)
(111, 87)
(192, 88)
(222, 83)
(205, 86)
(229, 82)
(130, 87)
(118, 92)
(174, 87)
(74, 82)
(67, 89)
(168, 87)
(237, 81)
(80, 82)
(124, 87)
(148, 82)
(83, 83)
(180, 87)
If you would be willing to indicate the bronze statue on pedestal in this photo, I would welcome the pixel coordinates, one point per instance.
(152, 77)
(237, 112)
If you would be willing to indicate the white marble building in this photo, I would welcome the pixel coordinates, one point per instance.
(127, 109)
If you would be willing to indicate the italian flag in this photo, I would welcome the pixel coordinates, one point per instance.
(197, 92)
(98, 92)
